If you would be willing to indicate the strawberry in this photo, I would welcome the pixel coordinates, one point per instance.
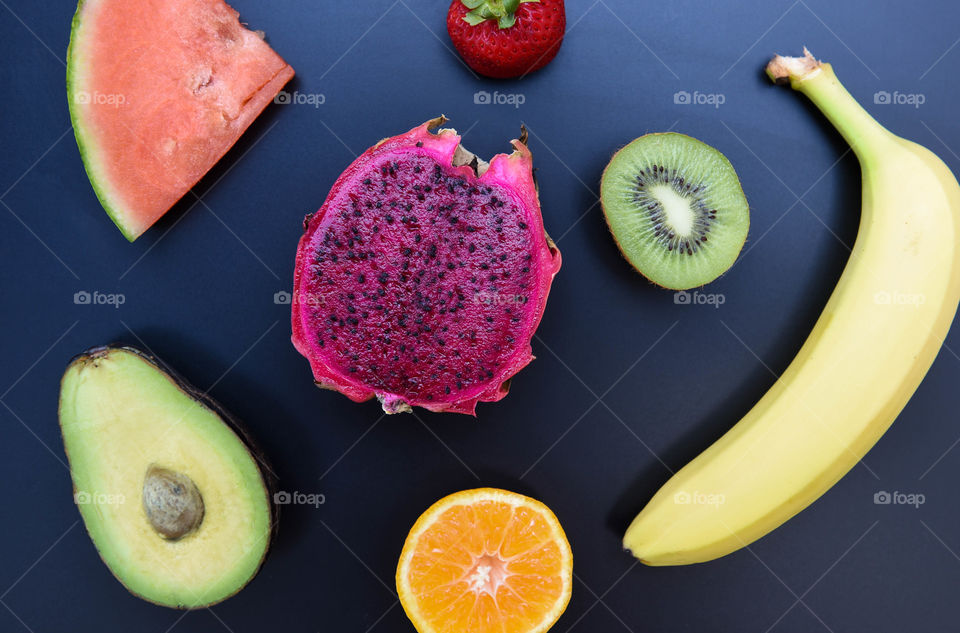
(506, 38)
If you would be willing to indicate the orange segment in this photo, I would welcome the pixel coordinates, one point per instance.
(485, 561)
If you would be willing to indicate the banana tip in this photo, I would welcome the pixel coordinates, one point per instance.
(782, 69)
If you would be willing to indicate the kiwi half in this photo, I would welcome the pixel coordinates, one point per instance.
(676, 209)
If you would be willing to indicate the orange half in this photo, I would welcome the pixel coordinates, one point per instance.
(485, 560)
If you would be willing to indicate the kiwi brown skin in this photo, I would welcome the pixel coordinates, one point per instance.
(614, 235)
(270, 480)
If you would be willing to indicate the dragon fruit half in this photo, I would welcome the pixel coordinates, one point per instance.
(422, 278)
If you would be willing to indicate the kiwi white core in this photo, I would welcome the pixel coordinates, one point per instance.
(680, 216)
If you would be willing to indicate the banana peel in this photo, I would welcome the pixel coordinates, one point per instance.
(878, 335)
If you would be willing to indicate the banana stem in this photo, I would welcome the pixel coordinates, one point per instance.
(817, 80)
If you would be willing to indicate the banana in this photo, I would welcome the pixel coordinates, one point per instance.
(877, 337)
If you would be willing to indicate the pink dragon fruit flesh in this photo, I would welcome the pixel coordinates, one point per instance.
(424, 275)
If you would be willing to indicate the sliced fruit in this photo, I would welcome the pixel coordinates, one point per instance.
(158, 92)
(168, 484)
(422, 278)
(485, 561)
(676, 209)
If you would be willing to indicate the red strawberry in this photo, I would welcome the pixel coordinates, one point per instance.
(506, 38)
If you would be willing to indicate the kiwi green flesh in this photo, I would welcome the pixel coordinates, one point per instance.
(676, 209)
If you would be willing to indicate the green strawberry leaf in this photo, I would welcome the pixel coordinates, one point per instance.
(503, 11)
(474, 18)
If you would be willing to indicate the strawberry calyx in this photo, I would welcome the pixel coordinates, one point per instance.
(503, 11)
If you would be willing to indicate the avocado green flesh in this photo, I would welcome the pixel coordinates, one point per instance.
(120, 414)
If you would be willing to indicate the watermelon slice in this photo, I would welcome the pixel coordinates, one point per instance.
(159, 90)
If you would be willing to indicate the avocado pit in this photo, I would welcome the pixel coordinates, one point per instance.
(172, 502)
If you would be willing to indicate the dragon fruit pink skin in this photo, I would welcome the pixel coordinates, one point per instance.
(420, 282)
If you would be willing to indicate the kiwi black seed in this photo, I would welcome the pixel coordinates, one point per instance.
(676, 209)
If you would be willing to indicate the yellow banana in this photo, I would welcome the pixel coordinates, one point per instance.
(878, 335)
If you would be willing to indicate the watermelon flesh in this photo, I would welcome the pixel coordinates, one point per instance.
(159, 90)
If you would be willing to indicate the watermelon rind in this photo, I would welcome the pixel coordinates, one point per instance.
(85, 141)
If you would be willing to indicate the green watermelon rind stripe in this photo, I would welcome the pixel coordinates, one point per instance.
(85, 142)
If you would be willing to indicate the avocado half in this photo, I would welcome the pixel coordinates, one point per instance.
(173, 492)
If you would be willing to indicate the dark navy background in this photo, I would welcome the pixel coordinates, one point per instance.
(628, 384)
